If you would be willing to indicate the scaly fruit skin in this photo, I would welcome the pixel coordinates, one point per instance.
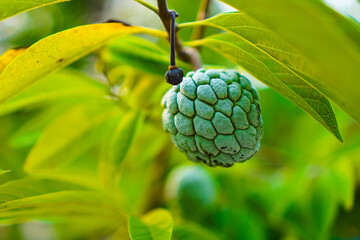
(214, 117)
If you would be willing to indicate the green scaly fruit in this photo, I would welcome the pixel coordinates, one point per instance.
(193, 189)
(214, 117)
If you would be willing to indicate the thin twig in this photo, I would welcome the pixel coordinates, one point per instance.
(185, 54)
(172, 39)
(148, 5)
(199, 31)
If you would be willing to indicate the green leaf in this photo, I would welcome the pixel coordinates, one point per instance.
(322, 209)
(27, 134)
(2, 172)
(58, 206)
(274, 74)
(192, 231)
(29, 186)
(251, 32)
(65, 133)
(326, 38)
(343, 182)
(155, 225)
(138, 178)
(59, 50)
(139, 53)
(9, 8)
(57, 200)
(67, 159)
(118, 145)
(64, 84)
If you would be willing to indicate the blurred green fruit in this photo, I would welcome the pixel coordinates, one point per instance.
(214, 117)
(193, 190)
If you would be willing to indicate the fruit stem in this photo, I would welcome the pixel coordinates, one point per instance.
(173, 15)
(189, 55)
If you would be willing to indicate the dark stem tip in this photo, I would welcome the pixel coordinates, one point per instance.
(174, 76)
(117, 21)
(175, 13)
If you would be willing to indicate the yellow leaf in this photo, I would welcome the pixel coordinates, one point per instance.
(155, 225)
(9, 8)
(8, 56)
(59, 50)
(66, 132)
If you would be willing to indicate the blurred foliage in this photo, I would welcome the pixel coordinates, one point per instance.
(83, 154)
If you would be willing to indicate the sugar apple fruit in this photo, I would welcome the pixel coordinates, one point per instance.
(192, 188)
(214, 117)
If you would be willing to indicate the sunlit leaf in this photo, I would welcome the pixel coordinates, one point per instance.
(9, 8)
(155, 225)
(61, 205)
(27, 134)
(61, 135)
(91, 228)
(2, 172)
(60, 163)
(8, 56)
(254, 34)
(28, 187)
(118, 146)
(32, 198)
(64, 84)
(326, 38)
(343, 182)
(59, 50)
(153, 149)
(276, 75)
